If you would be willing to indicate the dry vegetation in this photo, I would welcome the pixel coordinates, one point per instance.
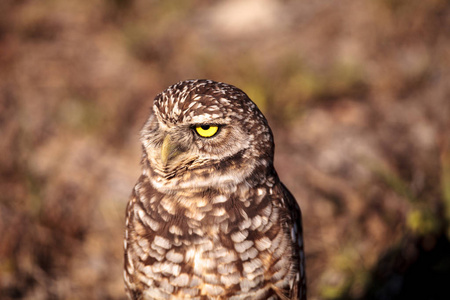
(357, 93)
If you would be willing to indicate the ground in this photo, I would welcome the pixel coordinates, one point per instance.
(356, 92)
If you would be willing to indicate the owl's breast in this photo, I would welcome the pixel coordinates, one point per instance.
(213, 244)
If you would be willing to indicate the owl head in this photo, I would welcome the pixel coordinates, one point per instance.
(204, 134)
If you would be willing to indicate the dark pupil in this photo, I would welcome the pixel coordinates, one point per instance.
(205, 127)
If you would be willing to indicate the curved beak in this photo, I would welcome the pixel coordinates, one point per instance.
(169, 150)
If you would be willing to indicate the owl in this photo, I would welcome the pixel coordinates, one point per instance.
(208, 217)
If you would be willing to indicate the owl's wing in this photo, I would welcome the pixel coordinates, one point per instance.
(299, 286)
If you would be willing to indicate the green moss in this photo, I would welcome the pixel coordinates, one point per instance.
(422, 221)
(349, 275)
(334, 292)
(445, 184)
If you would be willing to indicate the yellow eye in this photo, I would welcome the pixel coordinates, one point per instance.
(206, 130)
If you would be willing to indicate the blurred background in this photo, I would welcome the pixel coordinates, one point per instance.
(356, 92)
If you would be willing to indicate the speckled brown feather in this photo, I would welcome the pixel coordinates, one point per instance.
(214, 221)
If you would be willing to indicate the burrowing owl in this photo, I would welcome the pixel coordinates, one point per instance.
(209, 217)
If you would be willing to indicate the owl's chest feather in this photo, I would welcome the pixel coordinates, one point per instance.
(210, 245)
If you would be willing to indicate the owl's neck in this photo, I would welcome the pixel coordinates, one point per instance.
(227, 180)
